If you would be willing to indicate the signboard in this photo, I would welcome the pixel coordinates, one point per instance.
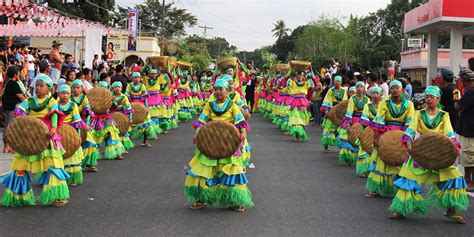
(114, 50)
(415, 42)
(133, 29)
(93, 46)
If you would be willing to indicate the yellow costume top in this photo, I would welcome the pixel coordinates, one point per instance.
(299, 88)
(333, 97)
(391, 114)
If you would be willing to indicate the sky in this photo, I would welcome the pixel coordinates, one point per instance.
(247, 24)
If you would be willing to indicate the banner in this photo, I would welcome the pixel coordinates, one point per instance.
(133, 29)
(93, 46)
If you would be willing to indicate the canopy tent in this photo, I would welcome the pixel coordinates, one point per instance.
(34, 20)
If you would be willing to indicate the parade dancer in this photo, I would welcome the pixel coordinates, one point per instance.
(448, 187)
(165, 81)
(17, 183)
(90, 148)
(72, 165)
(335, 95)
(394, 113)
(219, 182)
(364, 159)
(137, 93)
(122, 104)
(348, 152)
(184, 96)
(298, 115)
(155, 100)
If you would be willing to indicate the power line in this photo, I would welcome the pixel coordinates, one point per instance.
(205, 27)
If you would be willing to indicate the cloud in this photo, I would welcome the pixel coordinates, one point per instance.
(247, 24)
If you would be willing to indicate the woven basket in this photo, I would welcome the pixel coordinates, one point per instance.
(299, 66)
(184, 65)
(83, 132)
(159, 62)
(122, 122)
(218, 140)
(100, 100)
(27, 135)
(354, 132)
(226, 63)
(281, 67)
(140, 112)
(337, 113)
(172, 63)
(434, 151)
(70, 140)
(367, 140)
(390, 148)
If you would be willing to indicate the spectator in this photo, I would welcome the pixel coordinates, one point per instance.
(466, 128)
(11, 97)
(44, 69)
(87, 81)
(384, 86)
(250, 91)
(409, 88)
(31, 66)
(119, 76)
(104, 77)
(449, 95)
(56, 61)
(316, 100)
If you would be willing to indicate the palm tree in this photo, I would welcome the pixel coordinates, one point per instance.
(280, 29)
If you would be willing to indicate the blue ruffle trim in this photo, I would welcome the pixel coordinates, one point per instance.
(111, 142)
(408, 184)
(227, 180)
(61, 174)
(456, 183)
(18, 184)
(364, 156)
(347, 145)
(88, 144)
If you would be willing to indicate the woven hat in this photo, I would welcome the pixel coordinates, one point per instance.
(390, 148)
(218, 139)
(159, 62)
(354, 132)
(172, 63)
(100, 99)
(184, 65)
(226, 63)
(337, 113)
(27, 135)
(70, 140)
(300, 66)
(122, 122)
(140, 112)
(367, 139)
(434, 151)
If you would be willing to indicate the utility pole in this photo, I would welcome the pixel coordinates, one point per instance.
(205, 29)
(163, 19)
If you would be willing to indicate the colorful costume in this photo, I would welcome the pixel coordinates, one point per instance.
(448, 187)
(364, 159)
(348, 152)
(155, 102)
(220, 182)
(185, 97)
(18, 191)
(122, 105)
(332, 98)
(165, 82)
(390, 116)
(73, 165)
(137, 93)
(298, 115)
(104, 131)
(90, 148)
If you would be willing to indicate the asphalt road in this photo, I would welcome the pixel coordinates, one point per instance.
(297, 190)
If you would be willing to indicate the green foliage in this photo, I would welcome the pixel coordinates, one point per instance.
(280, 30)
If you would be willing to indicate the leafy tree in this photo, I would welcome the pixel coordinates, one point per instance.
(280, 30)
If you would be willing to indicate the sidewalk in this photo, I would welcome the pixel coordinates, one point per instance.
(5, 159)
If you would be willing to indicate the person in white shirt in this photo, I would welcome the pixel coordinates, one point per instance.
(87, 81)
(384, 86)
(30, 59)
